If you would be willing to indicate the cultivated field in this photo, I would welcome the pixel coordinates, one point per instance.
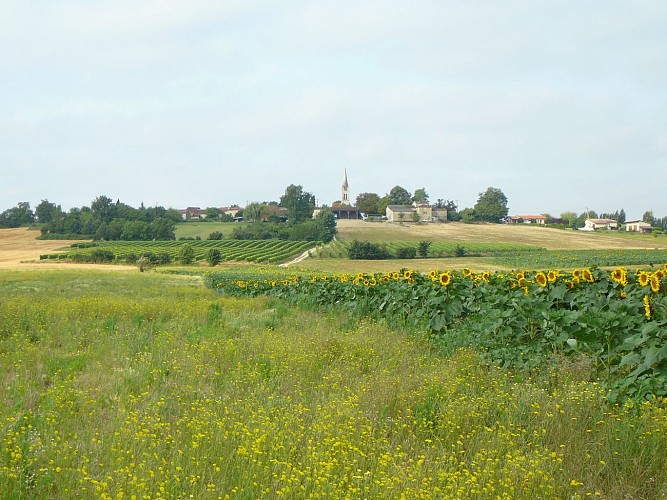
(521, 234)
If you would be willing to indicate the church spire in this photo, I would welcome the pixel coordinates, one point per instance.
(345, 199)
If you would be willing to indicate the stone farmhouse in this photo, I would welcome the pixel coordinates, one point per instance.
(405, 213)
(198, 213)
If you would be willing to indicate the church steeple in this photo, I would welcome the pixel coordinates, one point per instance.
(345, 199)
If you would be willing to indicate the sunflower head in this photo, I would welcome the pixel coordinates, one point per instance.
(644, 278)
(588, 275)
(552, 276)
(445, 279)
(541, 279)
(647, 306)
(655, 284)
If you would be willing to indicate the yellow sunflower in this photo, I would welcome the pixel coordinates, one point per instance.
(486, 275)
(644, 278)
(445, 279)
(552, 276)
(620, 275)
(588, 275)
(520, 275)
(433, 275)
(655, 284)
(647, 306)
(541, 279)
(576, 273)
(467, 272)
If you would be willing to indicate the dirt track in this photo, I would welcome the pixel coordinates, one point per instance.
(20, 250)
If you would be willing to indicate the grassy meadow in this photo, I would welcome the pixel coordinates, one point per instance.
(147, 385)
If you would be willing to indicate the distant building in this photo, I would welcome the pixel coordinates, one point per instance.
(638, 226)
(404, 213)
(343, 209)
(527, 219)
(597, 224)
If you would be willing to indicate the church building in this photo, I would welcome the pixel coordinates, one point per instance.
(343, 209)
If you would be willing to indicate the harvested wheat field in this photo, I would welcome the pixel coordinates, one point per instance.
(19, 249)
(544, 237)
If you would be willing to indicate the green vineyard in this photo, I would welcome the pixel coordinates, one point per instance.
(437, 249)
(164, 252)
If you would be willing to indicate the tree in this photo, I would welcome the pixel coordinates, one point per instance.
(17, 216)
(103, 208)
(213, 213)
(415, 217)
(163, 229)
(186, 254)
(299, 204)
(136, 230)
(420, 196)
(423, 248)
(368, 203)
(326, 225)
(569, 218)
(383, 203)
(213, 257)
(45, 211)
(253, 212)
(648, 217)
(400, 196)
(491, 206)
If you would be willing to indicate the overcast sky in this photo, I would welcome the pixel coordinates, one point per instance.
(561, 105)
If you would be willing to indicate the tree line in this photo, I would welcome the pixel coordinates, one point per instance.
(104, 219)
(107, 220)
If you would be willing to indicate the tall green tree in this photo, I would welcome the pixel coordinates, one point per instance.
(163, 228)
(648, 217)
(491, 206)
(400, 196)
(44, 211)
(326, 225)
(299, 204)
(420, 196)
(103, 208)
(368, 203)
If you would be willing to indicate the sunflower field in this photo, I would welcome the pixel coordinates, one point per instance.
(519, 320)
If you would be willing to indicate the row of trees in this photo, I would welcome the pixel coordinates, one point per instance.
(104, 219)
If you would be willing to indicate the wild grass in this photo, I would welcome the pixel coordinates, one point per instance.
(151, 385)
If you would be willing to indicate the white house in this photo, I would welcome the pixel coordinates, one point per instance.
(638, 226)
(596, 224)
(527, 219)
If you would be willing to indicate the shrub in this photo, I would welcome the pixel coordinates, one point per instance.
(367, 250)
(213, 257)
(164, 258)
(406, 253)
(100, 255)
(215, 235)
(186, 255)
(423, 248)
(460, 251)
